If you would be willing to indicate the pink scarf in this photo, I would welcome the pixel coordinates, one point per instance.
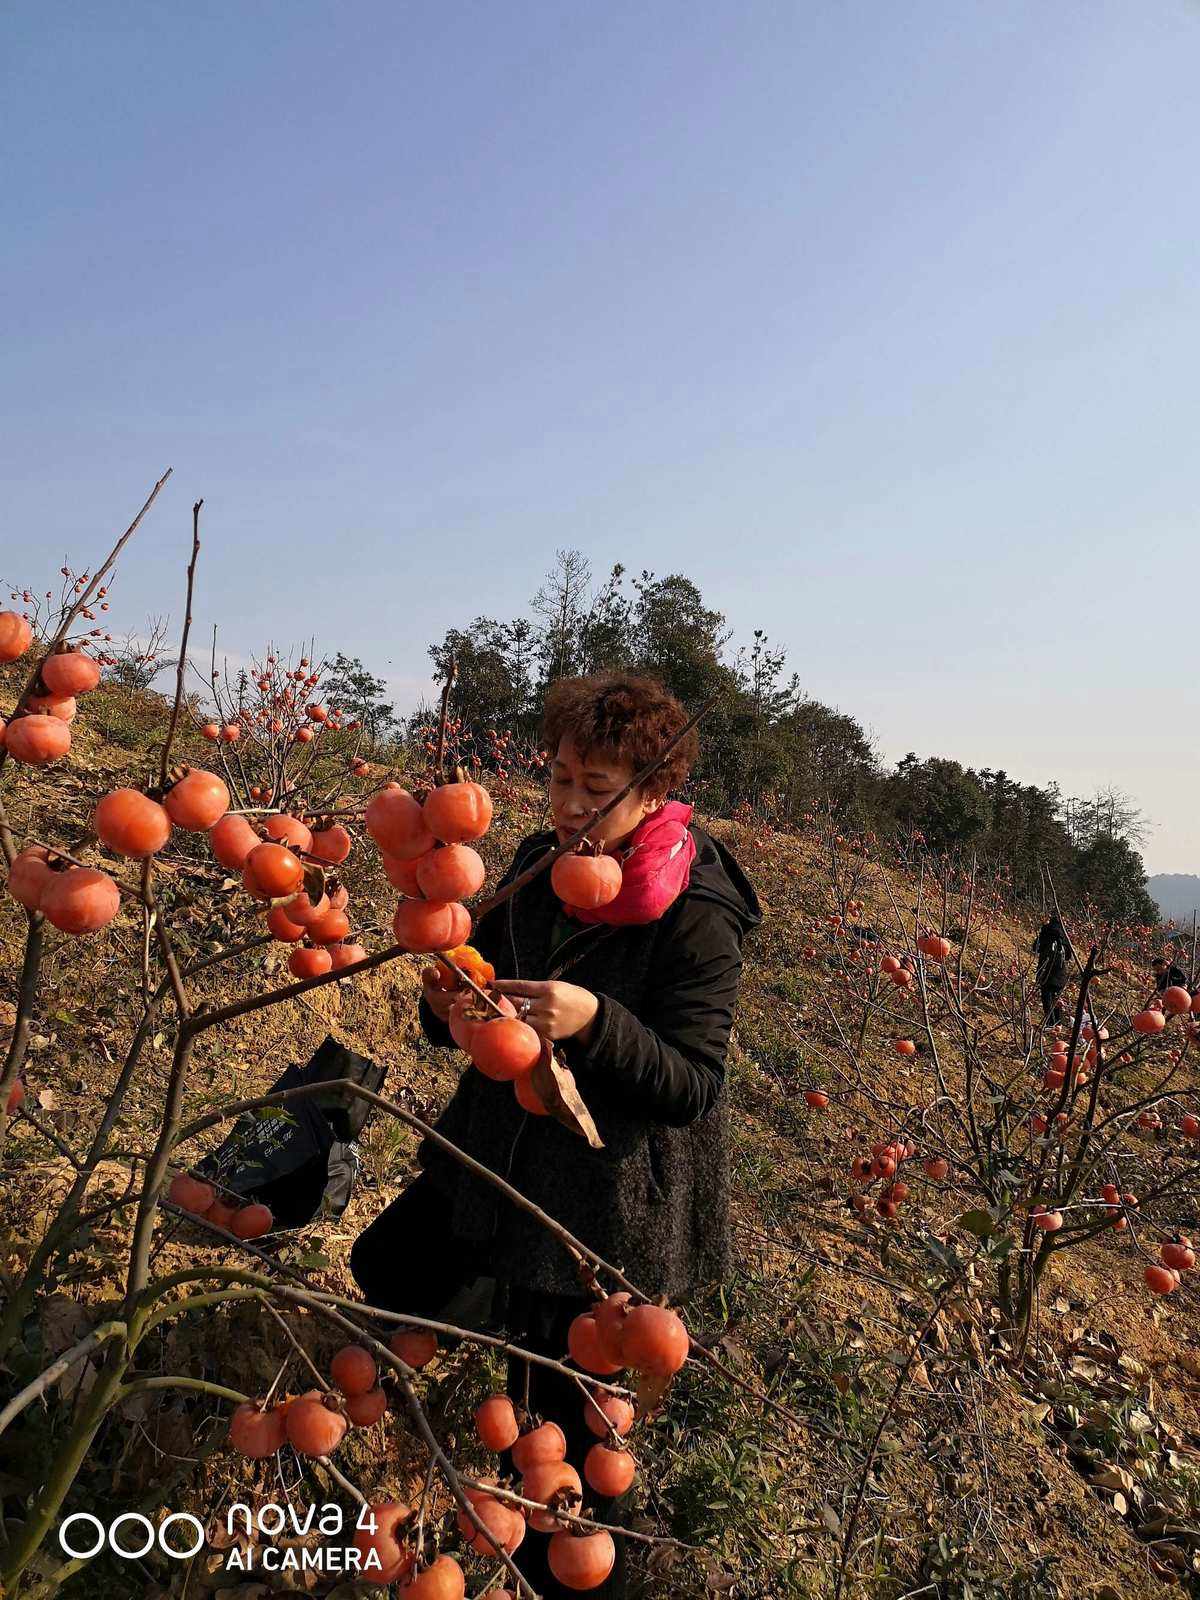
(655, 866)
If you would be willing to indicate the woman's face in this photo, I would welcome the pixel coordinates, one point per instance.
(581, 784)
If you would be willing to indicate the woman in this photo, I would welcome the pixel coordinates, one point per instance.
(639, 997)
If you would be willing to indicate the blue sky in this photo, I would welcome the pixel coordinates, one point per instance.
(881, 322)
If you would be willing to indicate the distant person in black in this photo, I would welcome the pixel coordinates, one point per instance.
(1167, 973)
(1051, 949)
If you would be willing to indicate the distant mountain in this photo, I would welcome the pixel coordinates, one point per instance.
(1176, 893)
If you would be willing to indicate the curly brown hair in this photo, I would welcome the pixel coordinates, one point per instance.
(625, 717)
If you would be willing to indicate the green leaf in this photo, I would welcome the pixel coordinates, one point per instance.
(314, 1261)
(979, 1223)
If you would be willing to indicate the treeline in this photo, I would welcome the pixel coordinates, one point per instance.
(768, 744)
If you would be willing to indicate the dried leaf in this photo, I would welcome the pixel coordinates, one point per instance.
(554, 1084)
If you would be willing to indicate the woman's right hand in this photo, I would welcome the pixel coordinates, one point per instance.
(440, 1001)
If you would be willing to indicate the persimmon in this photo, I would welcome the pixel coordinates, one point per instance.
(80, 900)
(1161, 1280)
(937, 1168)
(503, 1525)
(467, 1013)
(402, 875)
(281, 925)
(231, 733)
(539, 1446)
(443, 1580)
(586, 881)
(450, 872)
(1047, 1221)
(290, 831)
(654, 1340)
(353, 1370)
(330, 927)
(610, 1314)
(904, 1047)
(496, 1422)
(618, 1415)
(504, 1048)
(527, 1096)
(1052, 1079)
(191, 1194)
(232, 839)
(609, 1472)
(414, 1346)
(252, 1221)
(317, 713)
(396, 823)
(272, 871)
(257, 1433)
(581, 1561)
(456, 812)
(315, 1427)
(423, 926)
(131, 824)
(37, 740)
(61, 706)
(16, 1096)
(1176, 1000)
(365, 1410)
(303, 909)
(817, 1098)
(70, 672)
(902, 978)
(377, 1535)
(303, 735)
(1179, 1255)
(889, 964)
(198, 801)
(934, 947)
(339, 895)
(556, 1484)
(345, 955)
(307, 962)
(221, 1214)
(1149, 1022)
(1189, 1125)
(467, 958)
(15, 635)
(585, 1348)
(211, 731)
(28, 876)
(331, 844)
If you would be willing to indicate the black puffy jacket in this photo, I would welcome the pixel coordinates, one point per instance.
(655, 1200)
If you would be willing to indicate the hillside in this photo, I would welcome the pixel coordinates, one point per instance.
(1177, 895)
(1076, 1473)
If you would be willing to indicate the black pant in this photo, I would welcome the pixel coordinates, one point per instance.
(410, 1243)
(1052, 1008)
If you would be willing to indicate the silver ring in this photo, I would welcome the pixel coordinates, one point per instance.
(523, 1009)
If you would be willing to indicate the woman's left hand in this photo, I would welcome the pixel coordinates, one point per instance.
(555, 1010)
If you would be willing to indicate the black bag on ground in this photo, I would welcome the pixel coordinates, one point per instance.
(301, 1158)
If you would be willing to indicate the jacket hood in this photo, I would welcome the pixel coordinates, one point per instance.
(717, 876)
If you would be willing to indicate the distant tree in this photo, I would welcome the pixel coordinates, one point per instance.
(561, 607)
(493, 661)
(1110, 872)
(941, 799)
(348, 684)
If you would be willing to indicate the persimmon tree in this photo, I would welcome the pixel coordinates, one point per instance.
(288, 803)
(1043, 1136)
